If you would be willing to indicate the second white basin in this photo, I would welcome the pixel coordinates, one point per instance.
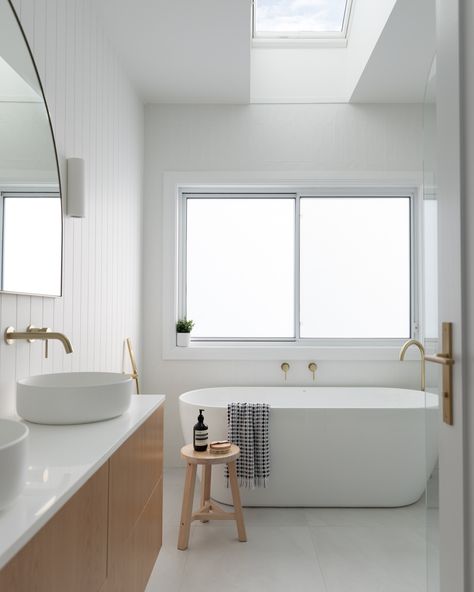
(13, 448)
(73, 397)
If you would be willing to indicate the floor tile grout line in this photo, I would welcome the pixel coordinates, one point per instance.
(317, 555)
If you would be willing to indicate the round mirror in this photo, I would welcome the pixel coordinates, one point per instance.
(30, 191)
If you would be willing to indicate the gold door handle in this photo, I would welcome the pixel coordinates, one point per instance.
(440, 359)
(445, 358)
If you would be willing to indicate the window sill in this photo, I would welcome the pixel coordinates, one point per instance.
(271, 352)
(298, 43)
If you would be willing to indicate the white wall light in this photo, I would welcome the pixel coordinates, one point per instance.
(76, 188)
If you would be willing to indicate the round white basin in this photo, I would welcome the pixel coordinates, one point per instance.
(73, 397)
(13, 448)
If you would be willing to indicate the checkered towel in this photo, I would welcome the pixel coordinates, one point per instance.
(248, 427)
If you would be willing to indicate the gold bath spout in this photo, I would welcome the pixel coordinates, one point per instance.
(419, 345)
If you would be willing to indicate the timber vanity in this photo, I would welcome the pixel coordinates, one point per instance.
(90, 516)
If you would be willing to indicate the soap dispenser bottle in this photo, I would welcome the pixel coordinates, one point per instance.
(200, 434)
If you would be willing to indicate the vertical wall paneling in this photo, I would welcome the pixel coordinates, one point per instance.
(96, 115)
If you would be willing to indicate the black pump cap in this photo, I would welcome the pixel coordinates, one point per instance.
(201, 416)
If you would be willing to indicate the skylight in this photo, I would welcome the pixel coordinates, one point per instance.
(303, 19)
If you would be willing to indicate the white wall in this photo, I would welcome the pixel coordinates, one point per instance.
(96, 115)
(308, 138)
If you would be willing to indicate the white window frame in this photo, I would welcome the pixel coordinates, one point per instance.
(302, 39)
(175, 184)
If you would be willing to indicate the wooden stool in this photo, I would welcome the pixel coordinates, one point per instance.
(209, 510)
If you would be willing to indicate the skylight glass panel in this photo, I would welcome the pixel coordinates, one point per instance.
(311, 18)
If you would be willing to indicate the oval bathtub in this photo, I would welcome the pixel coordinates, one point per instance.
(330, 446)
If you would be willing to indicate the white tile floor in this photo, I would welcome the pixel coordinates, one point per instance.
(294, 549)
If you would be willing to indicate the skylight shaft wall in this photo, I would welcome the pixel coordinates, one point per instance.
(300, 18)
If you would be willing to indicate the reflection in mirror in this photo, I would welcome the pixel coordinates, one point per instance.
(30, 195)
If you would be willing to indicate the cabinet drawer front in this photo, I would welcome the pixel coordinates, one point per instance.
(135, 470)
(70, 551)
(147, 538)
(135, 557)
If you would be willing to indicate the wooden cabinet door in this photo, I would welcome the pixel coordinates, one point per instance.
(135, 506)
(135, 469)
(70, 552)
(147, 538)
(135, 557)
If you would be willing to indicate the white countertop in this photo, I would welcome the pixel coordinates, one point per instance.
(60, 460)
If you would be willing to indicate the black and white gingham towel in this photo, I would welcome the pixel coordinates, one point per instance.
(248, 427)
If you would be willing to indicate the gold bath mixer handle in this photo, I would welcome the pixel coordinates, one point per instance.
(312, 367)
(285, 367)
(33, 329)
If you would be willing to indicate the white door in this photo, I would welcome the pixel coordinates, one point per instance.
(451, 444)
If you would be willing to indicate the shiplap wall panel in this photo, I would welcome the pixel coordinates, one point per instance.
(96, 115)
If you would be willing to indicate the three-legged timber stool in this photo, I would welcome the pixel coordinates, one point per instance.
(209, 510)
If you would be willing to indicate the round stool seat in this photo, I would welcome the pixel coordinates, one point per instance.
(209, 458)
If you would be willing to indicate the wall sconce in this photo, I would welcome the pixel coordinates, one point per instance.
(76, 188)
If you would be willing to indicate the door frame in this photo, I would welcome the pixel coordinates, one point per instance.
(466, 45)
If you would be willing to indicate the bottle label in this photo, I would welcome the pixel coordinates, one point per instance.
(201, 437)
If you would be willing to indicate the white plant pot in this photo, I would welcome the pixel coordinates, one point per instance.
(183, 339)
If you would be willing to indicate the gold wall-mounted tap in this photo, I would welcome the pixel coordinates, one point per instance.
(32, 333)
(285, 367)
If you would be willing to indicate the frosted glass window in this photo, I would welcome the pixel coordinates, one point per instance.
(28, 270)
(240, 267)
(355, 267)
(299, 17)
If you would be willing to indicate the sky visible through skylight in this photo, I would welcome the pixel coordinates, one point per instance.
(299, 16)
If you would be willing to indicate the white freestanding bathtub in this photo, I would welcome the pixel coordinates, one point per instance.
(330, 446)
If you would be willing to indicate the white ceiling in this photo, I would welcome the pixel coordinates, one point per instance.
(398, 68)
(183, 50)
(199, 51)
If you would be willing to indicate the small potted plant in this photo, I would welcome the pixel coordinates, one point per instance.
(183, 332)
